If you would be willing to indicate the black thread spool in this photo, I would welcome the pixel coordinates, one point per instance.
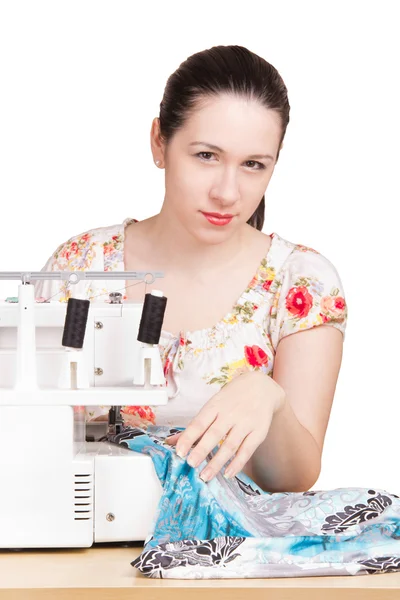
(75, 323)
(152, 318)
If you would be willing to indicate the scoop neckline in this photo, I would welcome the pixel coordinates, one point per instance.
(264, 263)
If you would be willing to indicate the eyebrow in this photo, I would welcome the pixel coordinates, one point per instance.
(220, 150)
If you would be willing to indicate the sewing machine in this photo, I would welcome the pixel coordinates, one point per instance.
(57, 488)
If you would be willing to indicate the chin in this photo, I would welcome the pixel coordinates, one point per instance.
(212, 237)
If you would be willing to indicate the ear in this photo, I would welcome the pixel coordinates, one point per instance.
(157, 146)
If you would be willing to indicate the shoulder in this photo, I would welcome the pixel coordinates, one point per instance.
(81, 250)
(308, 292)
(305, 261)
(310, 282)
(98, 249)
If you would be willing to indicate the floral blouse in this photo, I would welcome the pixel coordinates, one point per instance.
(294, 288)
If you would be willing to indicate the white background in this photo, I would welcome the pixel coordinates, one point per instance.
(81, 82)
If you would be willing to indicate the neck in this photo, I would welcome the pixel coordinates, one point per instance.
(177, 248)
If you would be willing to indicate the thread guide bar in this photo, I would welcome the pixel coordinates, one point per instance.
(75, 276)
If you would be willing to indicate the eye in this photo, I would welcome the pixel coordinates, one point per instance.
(198, 154)
(259, 167)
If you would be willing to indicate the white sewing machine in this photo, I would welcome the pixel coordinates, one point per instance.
(57, 489)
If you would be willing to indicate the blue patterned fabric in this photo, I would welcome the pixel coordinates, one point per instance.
(230, 528)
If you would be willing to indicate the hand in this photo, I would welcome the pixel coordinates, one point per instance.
(242, 412)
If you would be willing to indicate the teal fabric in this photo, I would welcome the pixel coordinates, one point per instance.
(230, 528)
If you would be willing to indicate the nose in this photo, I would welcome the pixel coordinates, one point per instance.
(226, 191)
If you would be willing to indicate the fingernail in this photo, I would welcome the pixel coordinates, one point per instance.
(205, 475)
(228, 473)
(181, 452)
(181, 447)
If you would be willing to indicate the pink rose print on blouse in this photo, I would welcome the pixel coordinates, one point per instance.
(255, 356)
(299, 301)
(332, 308)
(138, 416)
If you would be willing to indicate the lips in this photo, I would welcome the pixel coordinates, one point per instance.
(218, 215)
(217, 219)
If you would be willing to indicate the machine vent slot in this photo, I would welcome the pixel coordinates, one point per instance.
(83, 497)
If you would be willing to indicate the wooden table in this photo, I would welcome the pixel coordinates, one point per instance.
(105, 573)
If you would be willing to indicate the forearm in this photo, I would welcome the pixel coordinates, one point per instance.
(289, 459)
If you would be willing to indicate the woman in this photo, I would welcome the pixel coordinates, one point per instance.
(235, 295)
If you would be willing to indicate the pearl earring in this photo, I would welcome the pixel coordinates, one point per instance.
(157, 162)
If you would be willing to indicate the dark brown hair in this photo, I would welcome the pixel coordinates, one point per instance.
(223, 69)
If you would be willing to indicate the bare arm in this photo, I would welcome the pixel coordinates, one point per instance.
(307, 365)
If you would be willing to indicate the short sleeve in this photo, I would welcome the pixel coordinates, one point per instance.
(79, 253)
(309, 292)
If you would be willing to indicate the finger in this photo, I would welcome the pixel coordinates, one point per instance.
(228, 448)
(172, 439)
(244, 453)
(211, 438)
(195, 430)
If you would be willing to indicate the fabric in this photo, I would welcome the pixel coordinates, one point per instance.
(230, 528)
(294, 288)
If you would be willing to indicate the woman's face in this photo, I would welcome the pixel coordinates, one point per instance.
(228, 178)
